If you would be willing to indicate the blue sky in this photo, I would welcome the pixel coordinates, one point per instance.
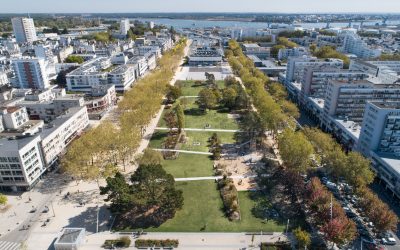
(81, 6)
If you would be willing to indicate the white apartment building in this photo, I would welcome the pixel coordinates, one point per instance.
(24, 29)
(284, 54)
(380, 141)
(3, 78)
(24, 157)
(347, 100)
(124, 26)
(122, 77)
(355, 45)
(58, 134)
(386, 71)
(21, 164)
(315, 80)
(296, 66)
(31, 73)
(14, 117)
(255, 49)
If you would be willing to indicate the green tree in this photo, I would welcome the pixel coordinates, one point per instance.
(3, 199)
(229, 96)
(303, 238)
(174, 92)
(275, 50)
(207, 99)
(180, 116)
(296, 151)
(74, 59)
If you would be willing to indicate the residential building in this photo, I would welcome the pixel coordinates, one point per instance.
(31, 73)
(205, 56)
(24, 29)
(355, 45)
(284, 54)
(296, 66)
(124, 26)
(255, 49)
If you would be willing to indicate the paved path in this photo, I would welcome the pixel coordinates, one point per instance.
(203, 129)
(194, 241)
(214, 178)
(189, 96)
(183, 151)
(153, 123)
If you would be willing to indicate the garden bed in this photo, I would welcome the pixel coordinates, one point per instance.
(229, 197)
(143, 243)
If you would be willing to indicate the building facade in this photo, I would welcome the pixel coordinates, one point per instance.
(24, 29)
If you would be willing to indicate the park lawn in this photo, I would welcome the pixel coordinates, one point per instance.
(194, 118)
(193, 138)
(189, 89)
(189, 165)
(203, 206)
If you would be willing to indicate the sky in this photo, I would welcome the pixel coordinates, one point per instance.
(132, 6)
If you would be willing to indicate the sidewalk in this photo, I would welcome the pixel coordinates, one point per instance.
(195, 241)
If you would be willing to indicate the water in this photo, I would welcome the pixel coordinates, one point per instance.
(183, 23)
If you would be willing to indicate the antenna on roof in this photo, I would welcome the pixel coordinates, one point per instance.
(29, 16)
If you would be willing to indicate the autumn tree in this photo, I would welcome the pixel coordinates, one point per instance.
(150, 157)
(208, 99)
(303, 238)
(3, 199)
(296, 150)
(174, 92)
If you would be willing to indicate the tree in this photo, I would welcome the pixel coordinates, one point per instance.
(303, 238)
(339, 230)
(229, 96)
(174, 92)
(61, 77)
(180, 115)
(3, 199)
(74, 59)
(64, 31)
(285, 42)
(275, 50)
(295, 149)
(210, 79)
(151, 157)
(150, 200)
(290, 109)
(207, 99)
(331, 52)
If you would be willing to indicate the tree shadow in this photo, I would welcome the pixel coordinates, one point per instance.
(194, 112)
(88, 219)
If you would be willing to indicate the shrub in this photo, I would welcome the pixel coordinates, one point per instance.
(156, 243)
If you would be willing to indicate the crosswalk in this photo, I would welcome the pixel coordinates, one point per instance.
(7, 245)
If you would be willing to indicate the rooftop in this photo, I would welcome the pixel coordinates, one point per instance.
(70, 235)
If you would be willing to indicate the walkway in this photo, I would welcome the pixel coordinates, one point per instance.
(183, 151)
(214, 178)
(200, 240)
(203, 129)
(153, 123)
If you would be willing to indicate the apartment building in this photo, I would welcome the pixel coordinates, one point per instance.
(57, 135)
(387, 71)
(31, 73)
(122, 77)
(124, 26)
(348, 100)
(315, 80)
(24, 29)
(380, 141)
(27, 153)
(3, 78)
(355, 45)
(284, 54)
(296, 66)
(255, 49)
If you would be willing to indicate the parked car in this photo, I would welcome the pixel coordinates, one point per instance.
(388, 239)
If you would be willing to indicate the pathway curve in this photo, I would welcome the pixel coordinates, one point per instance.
(202, 129)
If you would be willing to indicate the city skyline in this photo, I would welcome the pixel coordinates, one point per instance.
(256, 6)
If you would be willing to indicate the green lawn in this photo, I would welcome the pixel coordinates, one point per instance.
(203, 206)
(189, 89)
(194, 118)
(193, 138)
(189, 165)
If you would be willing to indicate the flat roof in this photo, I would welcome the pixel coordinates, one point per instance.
(70, 235)
(389, 160)
(351, 128)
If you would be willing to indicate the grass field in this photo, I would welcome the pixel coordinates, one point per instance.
(189, 89)
(194, 118)
(203, 206)
(193, 138)
(189, 165)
